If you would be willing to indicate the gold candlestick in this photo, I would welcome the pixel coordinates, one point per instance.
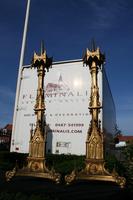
(94, 162)
(36, 166)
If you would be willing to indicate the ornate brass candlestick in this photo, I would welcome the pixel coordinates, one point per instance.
(94, 163)
(36, 166)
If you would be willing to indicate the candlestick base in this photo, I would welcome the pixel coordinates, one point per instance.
(95, 170)
(35, 168)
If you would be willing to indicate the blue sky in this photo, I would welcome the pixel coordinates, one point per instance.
(67, 28)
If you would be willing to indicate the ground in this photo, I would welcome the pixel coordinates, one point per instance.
(37, 188)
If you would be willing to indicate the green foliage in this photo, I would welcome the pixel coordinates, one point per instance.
(62, 163)
(65, 163)
(8, 160)
(110, 162)
(128, 163)
(128, 151)
(113, 164)
(124, 168)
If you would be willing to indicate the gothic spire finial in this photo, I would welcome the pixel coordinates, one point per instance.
(93, 45)
(42, 47)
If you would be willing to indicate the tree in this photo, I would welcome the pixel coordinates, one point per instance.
(128, 163)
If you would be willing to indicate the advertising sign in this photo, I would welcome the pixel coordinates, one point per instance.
(67, 94)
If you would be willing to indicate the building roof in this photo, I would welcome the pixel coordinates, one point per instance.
(125, 138)
(8, 127)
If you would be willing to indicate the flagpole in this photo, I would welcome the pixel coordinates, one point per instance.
(24, 35)
(21, 62)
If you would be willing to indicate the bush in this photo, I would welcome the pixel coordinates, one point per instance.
(8, 160)
(65, 163)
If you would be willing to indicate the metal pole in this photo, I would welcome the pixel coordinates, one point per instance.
(20, 66)
(24, 35)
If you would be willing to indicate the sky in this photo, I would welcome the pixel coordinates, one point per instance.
(67, 29)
